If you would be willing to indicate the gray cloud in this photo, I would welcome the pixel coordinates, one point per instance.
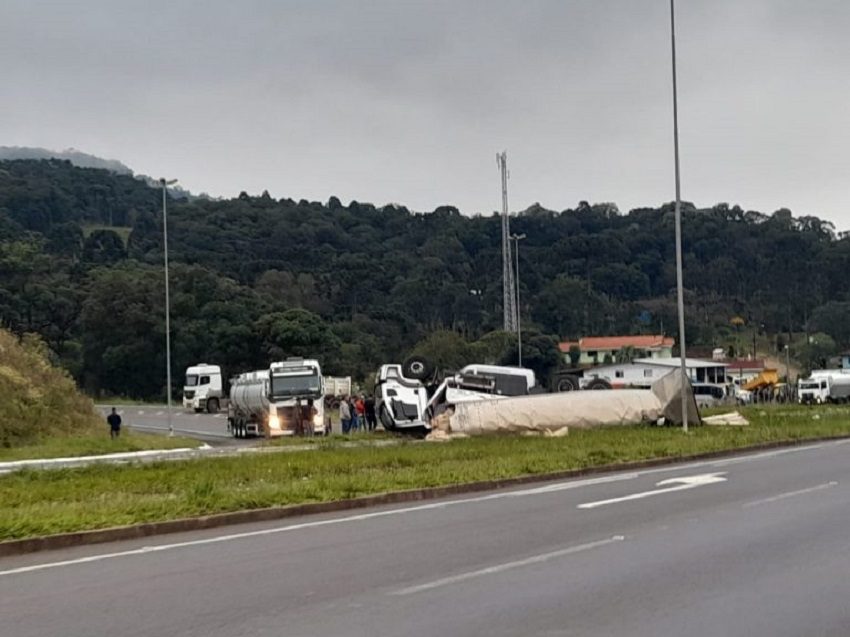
(409, 101)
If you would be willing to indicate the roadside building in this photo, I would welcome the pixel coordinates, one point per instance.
(596, 350)
(643, 372)
(742, 370)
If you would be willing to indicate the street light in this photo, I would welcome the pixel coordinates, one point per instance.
(680, 291)
(516, 239)
(165, 184)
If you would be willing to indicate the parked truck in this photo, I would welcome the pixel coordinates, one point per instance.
(824, 386)
(335, 388)
(266, 402)
(202, 389)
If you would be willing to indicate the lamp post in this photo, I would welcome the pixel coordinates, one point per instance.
(516, 238)
(680, 292)
(165, 184)
(787, 369)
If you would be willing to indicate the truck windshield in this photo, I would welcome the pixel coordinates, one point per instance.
(191, 380)
(809, 385)
(305, 384)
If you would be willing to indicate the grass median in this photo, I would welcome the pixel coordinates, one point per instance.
(34, 503)
(93, 445)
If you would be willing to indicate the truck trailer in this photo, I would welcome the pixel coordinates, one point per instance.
(824, 386)
(274, 402)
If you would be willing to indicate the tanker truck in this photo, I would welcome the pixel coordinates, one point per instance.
(263, 402)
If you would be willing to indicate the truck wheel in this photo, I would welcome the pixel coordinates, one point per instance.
(599, 383)
(212, 406)
(385, 418)
(567, 383)
(418, 368)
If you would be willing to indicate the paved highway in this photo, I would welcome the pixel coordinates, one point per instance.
(755, 545)
(211, 428)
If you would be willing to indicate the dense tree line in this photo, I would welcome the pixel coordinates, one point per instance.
(255, 277)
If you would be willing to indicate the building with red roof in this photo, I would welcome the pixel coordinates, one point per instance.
(598, 349)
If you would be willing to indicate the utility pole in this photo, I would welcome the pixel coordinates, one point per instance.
(509, 313)
(680, 291)
(516, 239)
(165, 184)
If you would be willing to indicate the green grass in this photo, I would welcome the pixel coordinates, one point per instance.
(34, 503)
(335, 439)
(90, 445)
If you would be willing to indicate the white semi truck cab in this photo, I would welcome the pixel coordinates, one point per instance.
(824, 385)
(266, 402)
(202, 389)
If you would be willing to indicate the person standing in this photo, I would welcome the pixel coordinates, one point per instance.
(371, 416)
(114, 421)
(360, 410)
(299, 418)
(345, 415)
(310, 413)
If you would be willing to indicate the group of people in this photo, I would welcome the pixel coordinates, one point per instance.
(356, 412)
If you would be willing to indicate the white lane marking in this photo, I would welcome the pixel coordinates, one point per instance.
(318, 523)
(180, 430)
(506, 566)
(679, 484)
(159, 413)
(767, 454)
(789, 494)
(141, 412)
(545, 489)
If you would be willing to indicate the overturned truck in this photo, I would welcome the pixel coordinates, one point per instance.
(481, 399)
(556, 413)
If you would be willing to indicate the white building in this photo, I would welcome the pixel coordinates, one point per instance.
(644, 371)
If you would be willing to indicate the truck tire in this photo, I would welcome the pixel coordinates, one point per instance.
(599, 383)
(212, 406)
(567, 383)
(385, 418)
(417, 368)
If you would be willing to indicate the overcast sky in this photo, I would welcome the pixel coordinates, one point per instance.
(408, 102)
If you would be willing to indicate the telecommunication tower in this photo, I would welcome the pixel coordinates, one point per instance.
(508, 287)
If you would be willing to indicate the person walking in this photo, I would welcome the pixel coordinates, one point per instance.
(345, 415)
(114, 421)
(371, 416)
(355, 421)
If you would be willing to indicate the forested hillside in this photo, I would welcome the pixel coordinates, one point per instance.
(358, 284)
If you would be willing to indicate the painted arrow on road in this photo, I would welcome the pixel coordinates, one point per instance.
(670, 485)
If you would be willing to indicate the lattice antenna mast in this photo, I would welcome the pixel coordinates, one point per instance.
(508, 287)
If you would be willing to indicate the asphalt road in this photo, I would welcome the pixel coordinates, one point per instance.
(211, 428)
(755, 545)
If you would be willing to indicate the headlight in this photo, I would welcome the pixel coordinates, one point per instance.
(274, 422)
(317, 420)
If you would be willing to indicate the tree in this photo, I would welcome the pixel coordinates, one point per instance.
(626, 354)
(297, 332)
(445, 349)
(103, 247)
(575, 355)
(540, 353)
(831, 318)
(815, 354)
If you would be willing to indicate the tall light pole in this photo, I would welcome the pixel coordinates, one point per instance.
(680, 291)
(165, 184)
(516, 239)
